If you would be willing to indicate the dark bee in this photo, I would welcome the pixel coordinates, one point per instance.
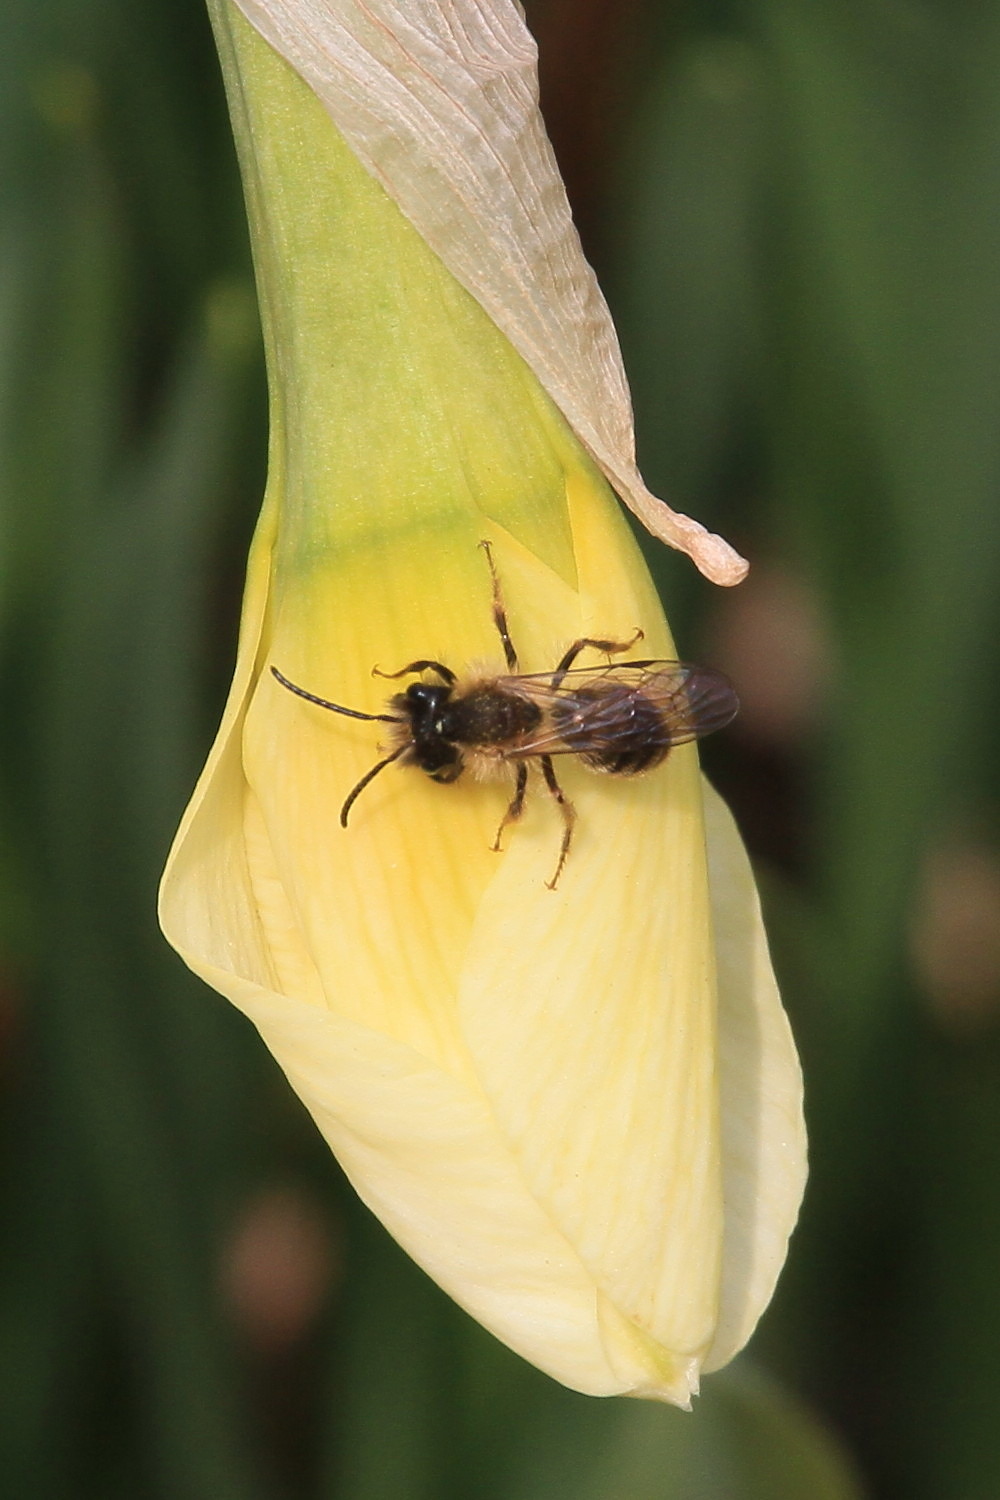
(622, 718)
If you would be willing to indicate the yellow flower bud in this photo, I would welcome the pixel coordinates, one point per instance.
(578, 1108)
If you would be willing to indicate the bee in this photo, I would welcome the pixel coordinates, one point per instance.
(620, 718)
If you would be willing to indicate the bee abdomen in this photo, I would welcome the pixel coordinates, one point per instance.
(620, 732)
(630, 755)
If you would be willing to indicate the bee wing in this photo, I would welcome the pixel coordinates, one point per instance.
(694, 701)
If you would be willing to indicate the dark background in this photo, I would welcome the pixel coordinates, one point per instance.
(794, 210)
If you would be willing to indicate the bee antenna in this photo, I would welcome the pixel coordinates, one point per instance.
(353, 796)
(337, 708)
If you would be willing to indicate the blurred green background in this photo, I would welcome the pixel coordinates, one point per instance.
(794, 210)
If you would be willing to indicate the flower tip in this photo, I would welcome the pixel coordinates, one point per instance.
(711, 554)
(719, 562)
(679, 1391)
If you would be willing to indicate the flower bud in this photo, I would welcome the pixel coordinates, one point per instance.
(578, 1108)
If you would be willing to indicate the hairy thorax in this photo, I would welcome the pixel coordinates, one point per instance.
(489, 716)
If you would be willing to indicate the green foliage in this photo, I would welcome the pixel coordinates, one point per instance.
(803, 258)
(506, 1432)
(806, 202)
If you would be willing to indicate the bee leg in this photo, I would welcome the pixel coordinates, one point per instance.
(499, 612)
(445, 673)
(609, 648)
(568, 813)
(516, 807)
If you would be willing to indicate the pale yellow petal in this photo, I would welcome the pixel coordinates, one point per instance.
(581, 1065)
(206, 908)
(590, 1010)
(763, 1130)
(590, 1016)
(420, 1142)
(424, 1153)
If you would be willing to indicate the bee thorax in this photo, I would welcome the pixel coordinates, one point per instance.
(488, 716)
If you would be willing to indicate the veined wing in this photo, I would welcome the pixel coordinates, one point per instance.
(588, 709)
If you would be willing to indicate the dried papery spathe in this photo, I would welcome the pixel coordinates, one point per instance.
(440, 102)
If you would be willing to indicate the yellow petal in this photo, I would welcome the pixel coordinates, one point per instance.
(520, 1082)
(760, 1087)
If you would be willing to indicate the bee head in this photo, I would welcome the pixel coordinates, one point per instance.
(421, 706)
(425, 697)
